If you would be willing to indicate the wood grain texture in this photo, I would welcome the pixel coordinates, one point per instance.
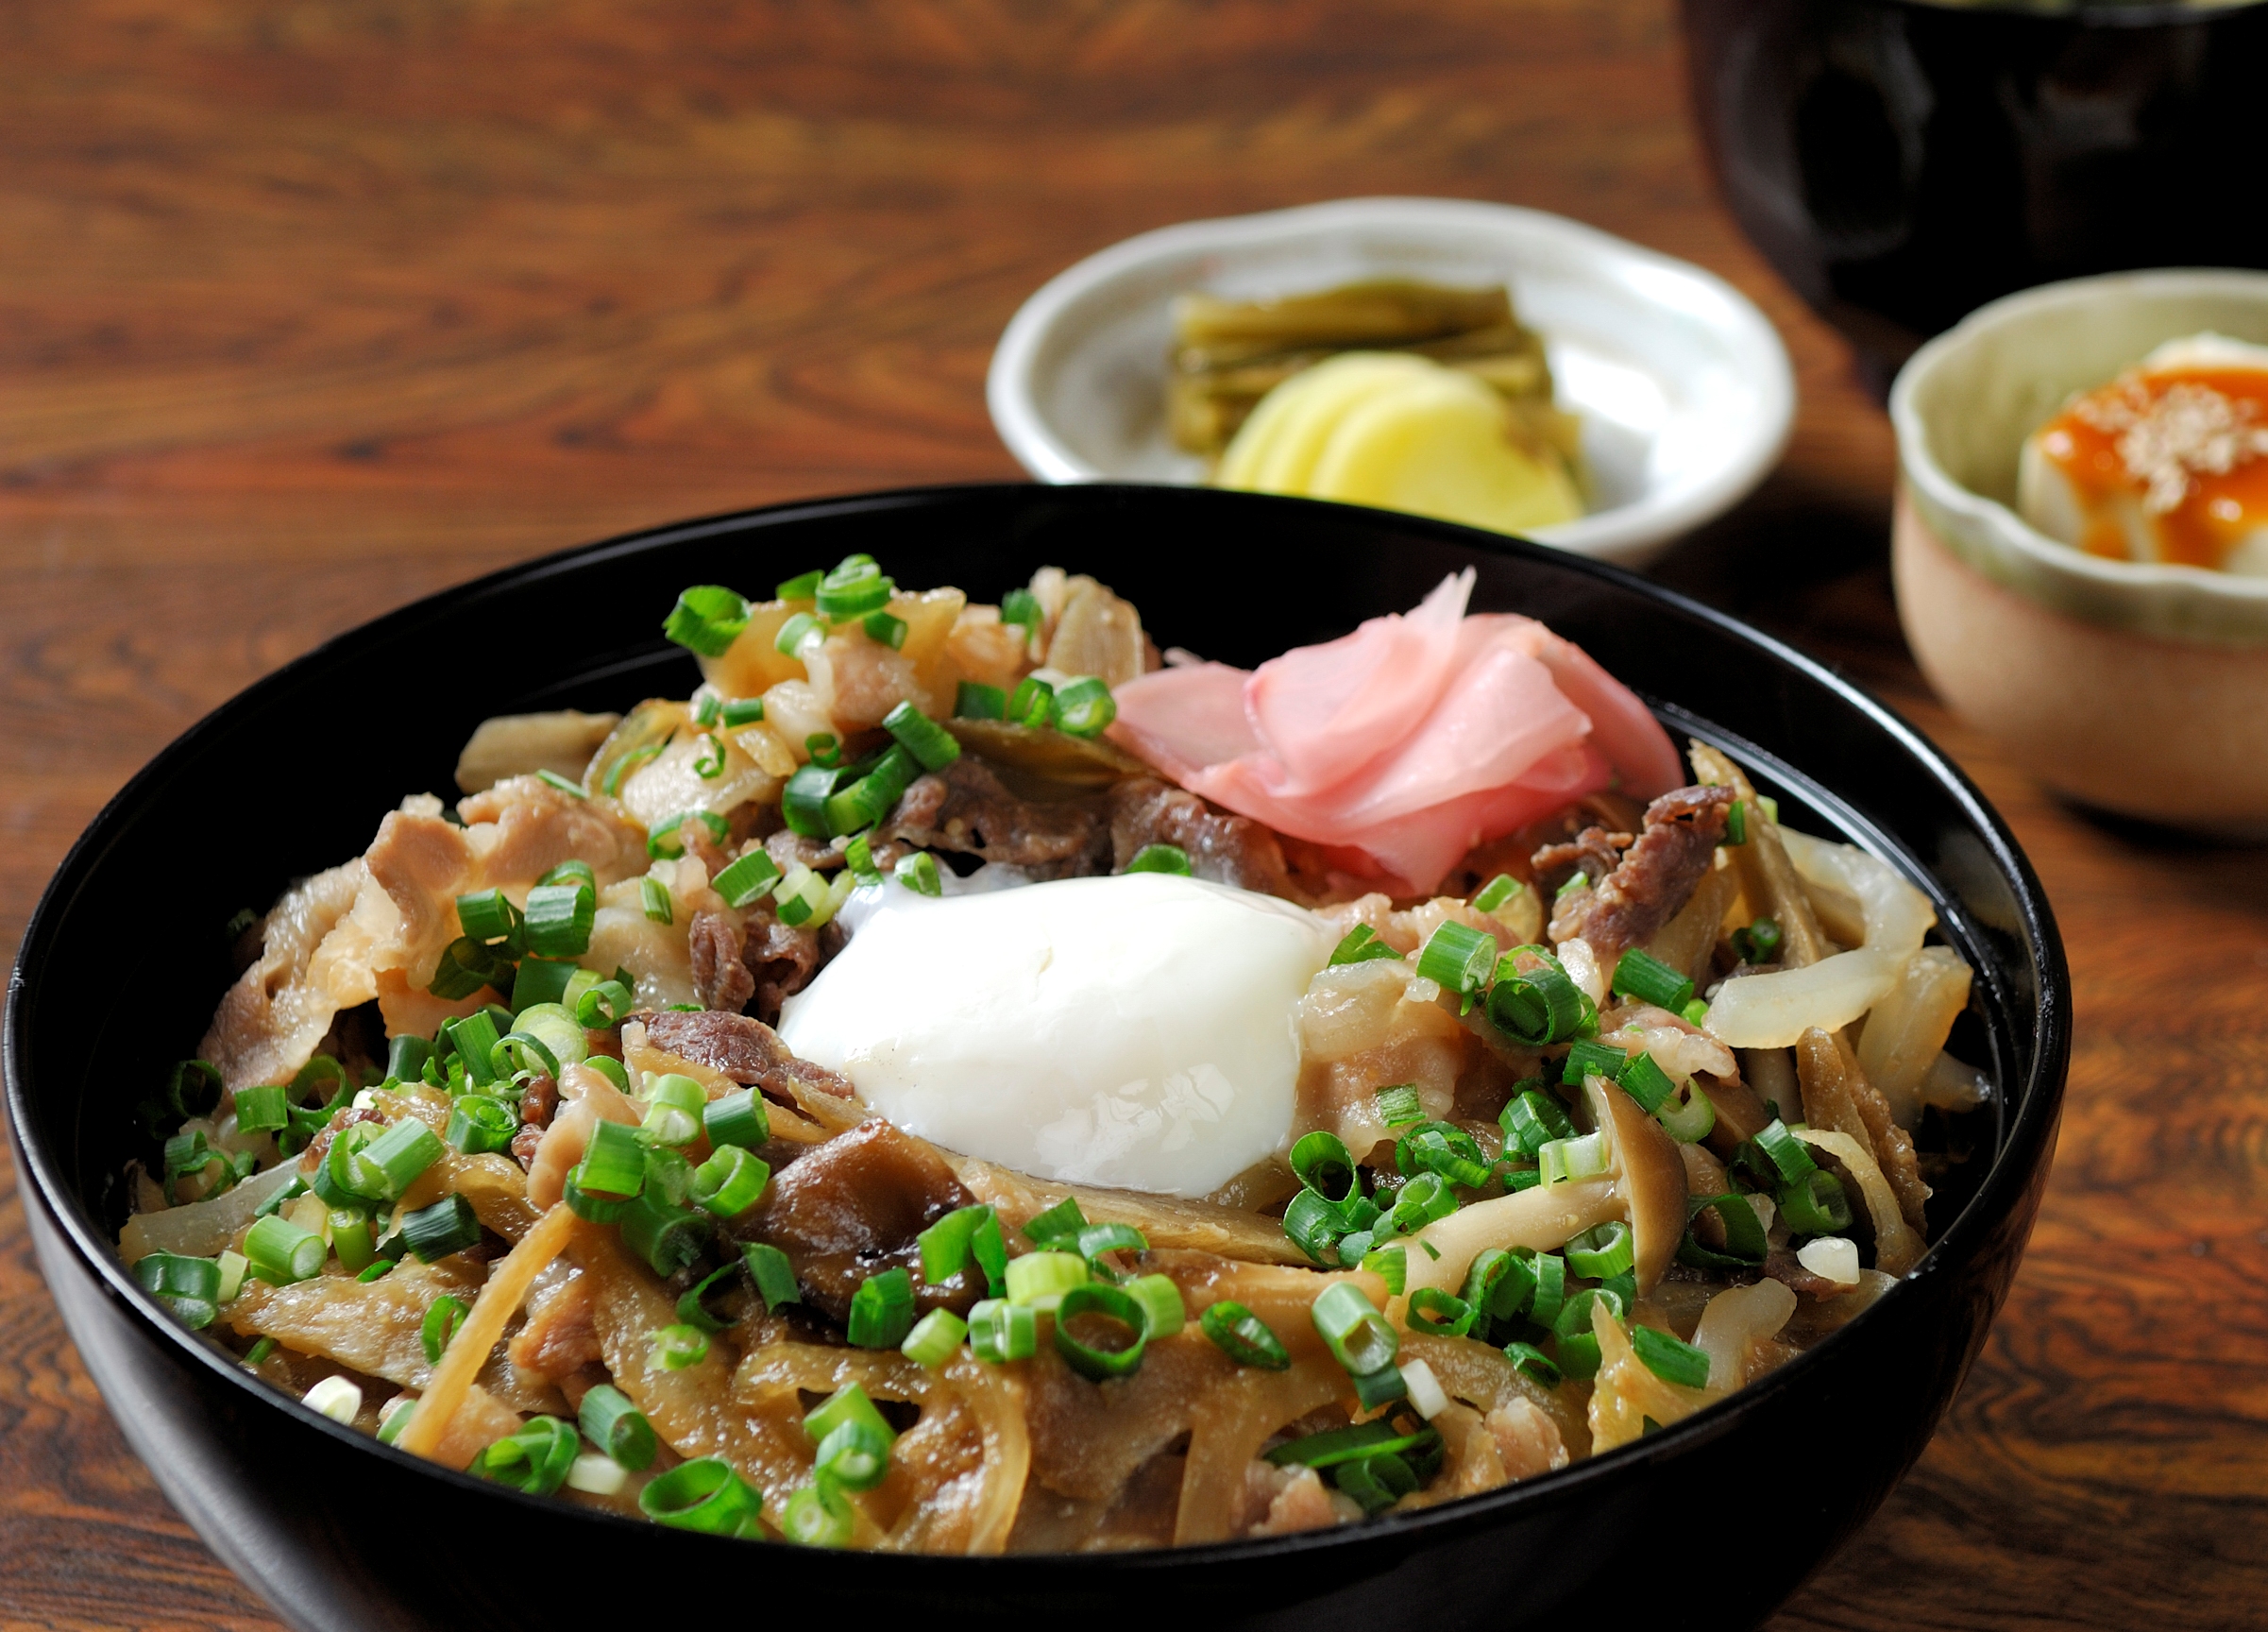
(311, 307)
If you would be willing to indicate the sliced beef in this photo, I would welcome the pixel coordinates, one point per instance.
(720, 978)
(1225, 848)
(1787, 1269)
(742, 1047)
(789, 850)
(1653, 878)
(964, 808)
(538, 1106)
(782, 960)
(852, 1208)
(1594, 853)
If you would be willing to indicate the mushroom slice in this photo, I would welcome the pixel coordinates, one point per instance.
(1650, 1177)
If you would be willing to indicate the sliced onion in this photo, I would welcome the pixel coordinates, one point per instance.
(1907, 1028)
(1897, 1249)
(1897, 914)
(1735, 1320)
(1773, 1011)
(201, 1229)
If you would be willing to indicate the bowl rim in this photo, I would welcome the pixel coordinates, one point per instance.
(2099, 584)
(1013, 400)
(2025, 1146)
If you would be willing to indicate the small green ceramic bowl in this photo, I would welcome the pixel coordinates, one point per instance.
(2142, 689)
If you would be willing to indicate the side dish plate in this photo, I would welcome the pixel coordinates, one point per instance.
(1684, 386)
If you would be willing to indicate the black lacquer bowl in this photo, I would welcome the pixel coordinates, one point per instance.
(339, 1532)
(1903, 161)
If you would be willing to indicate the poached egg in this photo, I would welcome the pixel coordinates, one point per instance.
(1134, 1031)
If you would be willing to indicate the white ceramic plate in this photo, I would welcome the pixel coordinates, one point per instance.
(1684, 386)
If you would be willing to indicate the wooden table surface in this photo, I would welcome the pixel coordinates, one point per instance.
(311, 307)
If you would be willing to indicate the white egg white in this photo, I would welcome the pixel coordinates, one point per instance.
(1134, 1031)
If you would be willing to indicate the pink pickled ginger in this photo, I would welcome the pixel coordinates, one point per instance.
(1407, 742)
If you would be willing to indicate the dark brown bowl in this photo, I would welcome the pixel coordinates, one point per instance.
(1902, 162)
(341, 1532)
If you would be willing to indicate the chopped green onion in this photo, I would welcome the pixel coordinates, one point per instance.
(1321, 1163)
(1391, 1265)
(803, 800)
(1000, 1331)
(191, 1287)
(1040, 1279)
(1650, 980)
(1441, 1148)
(1097, 1364)
(918, 873)
(406, 1056)
(1602, 1251)
(736, 1118)
(1538, 1007)
(1457, 958)
(467, 966)
(552, 778)
(1097, 1239)
(544, 980)
(667, 1235)
(630, 762)
(280, 1253)
(1736, 823)
(817, 1515)
(1243, 1336)
(258, 1353)
(798, 897)
(947, 1245)
(676, 1107)
(1496, 892)
(1670, 1359)
(1592, 1058)
(336, 1397)
(1162, 1310)
(1643, 1078)
(1362, 945)
(1577, 1344)
(803, 586)
(1564, 1160)
(885, 630)
(1790, 1159)
(792, 631)
(488, 917)
(433, 1233)
(706, 1495)
(1439, 1314)
(775, 1275)
(264, 1109)
(653, 895)
(747, 878)
(442, 1318)
(1816, 1205)
(1033, 703)
(1312, 1225)
(692, 1305)
(730, 1182)
(1422, 1201)
(921, 736)
(1526, 1358)
(609, 1067)
(1334, 1446)
(973, 701)
(707, 619)
(1758, 941)
(858, 856)
(1689, 1119)
(1744, 1244)
(679, 1347)
(1380, 1387)
(739, 711)
(664, 844)
(1357, 1335)
(1085, 707)
(601, 1008)
(1550, 1288)
(386, 1166)
(1063, 1219)
(352, 1238)
(1532, 1119)
(475, 1039)
(233, 1266)
(1498, 1285)
(378, 1269)
(617, 1427)
(1398, 1106)
(707, 700)
(1161, 858)
(882, 1310)
(934, 1339)
(1022, 606)
(853, 590)
(855, 1456)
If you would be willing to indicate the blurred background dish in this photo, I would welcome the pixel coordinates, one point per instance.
(2139, 688)
(1902, 162)
(1681, 386)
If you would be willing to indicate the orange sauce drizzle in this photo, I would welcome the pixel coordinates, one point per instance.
(2214, 513)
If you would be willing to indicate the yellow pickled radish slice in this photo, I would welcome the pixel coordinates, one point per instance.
(1438, 445)
(1319, 398)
